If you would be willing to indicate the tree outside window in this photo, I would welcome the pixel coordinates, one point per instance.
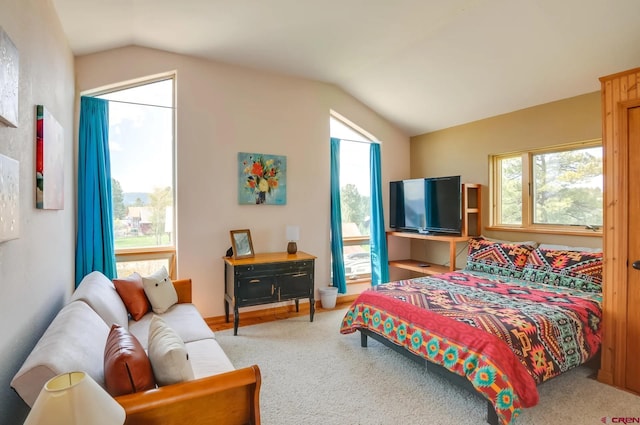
(557, 188)
(355, 194)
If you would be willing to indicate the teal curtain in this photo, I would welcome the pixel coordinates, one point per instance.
(379, 256)
(94, 240)
(337, 263)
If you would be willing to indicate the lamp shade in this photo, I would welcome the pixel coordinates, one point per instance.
(75, 398)
(293, 233)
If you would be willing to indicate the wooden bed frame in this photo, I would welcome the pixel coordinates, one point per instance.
(492, 417)
(231, 398)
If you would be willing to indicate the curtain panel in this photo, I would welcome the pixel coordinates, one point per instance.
(95, 249)
(379, 256)
(337, 256)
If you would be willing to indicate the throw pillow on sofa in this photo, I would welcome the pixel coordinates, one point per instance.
(132, 293)
(160, 290)
(168, 354)
(127, 368)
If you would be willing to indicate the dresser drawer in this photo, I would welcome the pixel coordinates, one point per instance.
(256, 270)
(298, 284)
(273, 268)
(255, 290)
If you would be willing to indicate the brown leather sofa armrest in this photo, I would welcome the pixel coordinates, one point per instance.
(231, 398)
(183, 288)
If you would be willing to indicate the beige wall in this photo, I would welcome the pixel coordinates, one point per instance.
(465, 150)
(36, 270)
(223, 110)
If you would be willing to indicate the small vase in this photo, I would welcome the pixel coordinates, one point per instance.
(261, 197)
(292, 247)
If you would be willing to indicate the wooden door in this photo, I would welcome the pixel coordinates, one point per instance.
(632, 373)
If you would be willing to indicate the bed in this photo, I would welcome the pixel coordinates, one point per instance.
(516, 317)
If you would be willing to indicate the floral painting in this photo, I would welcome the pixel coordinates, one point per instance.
(262, 179)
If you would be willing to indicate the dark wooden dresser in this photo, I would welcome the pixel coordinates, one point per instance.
(267, 278)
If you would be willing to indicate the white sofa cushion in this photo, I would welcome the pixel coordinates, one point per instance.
(182, 318)
(168, 354)
(160, 290)
(98, 291)
(74, 341)
(207, 358)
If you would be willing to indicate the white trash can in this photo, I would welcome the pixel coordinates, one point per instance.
(328, 296)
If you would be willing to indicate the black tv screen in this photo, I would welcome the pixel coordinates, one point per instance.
(428, 205)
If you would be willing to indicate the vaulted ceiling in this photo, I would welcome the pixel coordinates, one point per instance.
(422, 64)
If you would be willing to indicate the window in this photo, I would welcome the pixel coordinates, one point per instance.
(557, 189)
(355, 195)
(141, 146)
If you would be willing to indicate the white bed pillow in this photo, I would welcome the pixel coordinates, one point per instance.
(160, 291)
(530, 243)
(168, 354)
(568, 248)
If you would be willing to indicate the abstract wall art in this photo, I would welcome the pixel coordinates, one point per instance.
(49, 161)
(9, 195)
(9, 77)
(262, 179)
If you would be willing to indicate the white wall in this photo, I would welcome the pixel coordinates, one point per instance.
(223, 110)
(36, 270)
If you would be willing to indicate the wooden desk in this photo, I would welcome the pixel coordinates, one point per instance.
(267, 278)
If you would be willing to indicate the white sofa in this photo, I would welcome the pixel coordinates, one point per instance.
(75, 341)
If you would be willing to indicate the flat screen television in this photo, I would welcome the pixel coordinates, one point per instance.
(428, 205)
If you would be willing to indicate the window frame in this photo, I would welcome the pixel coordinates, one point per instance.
(163, 252)
(355, 240)
(527, 224)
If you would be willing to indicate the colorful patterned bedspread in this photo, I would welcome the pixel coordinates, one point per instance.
(504, 335)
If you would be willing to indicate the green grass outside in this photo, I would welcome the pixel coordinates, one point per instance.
(140, 241)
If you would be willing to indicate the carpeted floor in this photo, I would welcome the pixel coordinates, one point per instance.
(312, 374)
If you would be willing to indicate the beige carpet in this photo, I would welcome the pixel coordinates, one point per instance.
(312, 374)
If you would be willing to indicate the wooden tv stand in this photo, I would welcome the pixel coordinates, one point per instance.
(471, 226)
(426, 267)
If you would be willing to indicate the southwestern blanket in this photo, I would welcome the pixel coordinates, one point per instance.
(503, 334)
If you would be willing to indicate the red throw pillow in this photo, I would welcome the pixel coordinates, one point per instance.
(127, 368)
(132, 293)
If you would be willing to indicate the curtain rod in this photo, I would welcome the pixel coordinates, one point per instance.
(137, 103)
(359, 141)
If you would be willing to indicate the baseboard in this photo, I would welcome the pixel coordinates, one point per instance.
(273, 312)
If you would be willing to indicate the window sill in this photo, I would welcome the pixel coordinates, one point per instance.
(132, 255)
(146, 250)
(359, 280)
(548, 230)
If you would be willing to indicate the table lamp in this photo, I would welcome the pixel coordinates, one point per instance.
(293, 234)
(75, 398)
